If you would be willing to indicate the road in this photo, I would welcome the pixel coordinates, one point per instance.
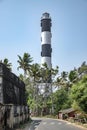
(52, 124)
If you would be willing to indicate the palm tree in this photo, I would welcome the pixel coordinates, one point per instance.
(24, 62)
(35, 75)
(7, 63)
(46, 73)
(35, 72)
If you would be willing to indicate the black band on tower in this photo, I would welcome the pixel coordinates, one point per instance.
(46, 50)
(46, 25)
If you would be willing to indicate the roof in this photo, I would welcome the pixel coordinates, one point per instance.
(67, 110)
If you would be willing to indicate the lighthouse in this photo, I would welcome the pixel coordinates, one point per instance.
(46, 35)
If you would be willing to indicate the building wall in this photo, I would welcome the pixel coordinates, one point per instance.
(62, 115)
(8, 118)
(12, 89)
(12, 96)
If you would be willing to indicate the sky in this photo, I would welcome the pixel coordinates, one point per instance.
(20, 31)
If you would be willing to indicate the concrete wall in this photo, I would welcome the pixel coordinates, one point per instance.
(10, 119)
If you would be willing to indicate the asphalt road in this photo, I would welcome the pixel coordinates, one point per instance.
(52, 124)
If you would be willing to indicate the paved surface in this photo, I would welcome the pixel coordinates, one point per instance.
(27, 127)
(51, 124)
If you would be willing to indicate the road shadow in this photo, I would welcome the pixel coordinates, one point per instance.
(36, 123)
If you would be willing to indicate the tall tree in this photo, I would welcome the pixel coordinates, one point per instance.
(35, 75)
(48, 77)
(35, 72)
(24, 62)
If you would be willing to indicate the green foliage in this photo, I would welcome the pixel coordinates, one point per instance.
(72, 92)
(7, 63)
(24, 62)
(76, 106)
(72, 86)
(35, 72)
(82, 69)
(79, 94)
(60, 100)
(73, 75)
(64, 75)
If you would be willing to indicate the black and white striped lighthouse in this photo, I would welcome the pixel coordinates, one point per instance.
(46, 35)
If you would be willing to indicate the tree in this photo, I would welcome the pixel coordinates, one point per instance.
(35, 72)
(79, 94)
(45, 74)
(62, 80)
(64, 75)
(73, 76)
(58, 82)
(82, 70)
(60, 99)
(7, 63)
(24, 62)
(35, 76)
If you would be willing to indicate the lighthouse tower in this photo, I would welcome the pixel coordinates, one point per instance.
(46, 35)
